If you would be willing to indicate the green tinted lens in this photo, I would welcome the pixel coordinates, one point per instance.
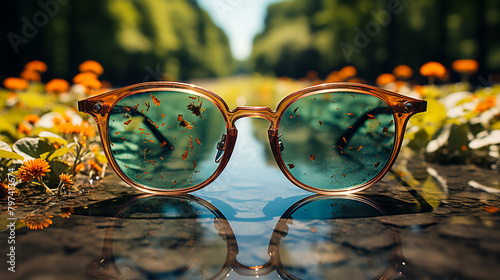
(337, 141)
(166, 139)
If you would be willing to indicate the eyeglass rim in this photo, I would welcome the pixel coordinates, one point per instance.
(99, 107)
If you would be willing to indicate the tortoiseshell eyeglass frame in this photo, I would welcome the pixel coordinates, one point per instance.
(100, 106)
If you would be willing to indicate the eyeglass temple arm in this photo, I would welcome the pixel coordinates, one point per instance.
(147, 121)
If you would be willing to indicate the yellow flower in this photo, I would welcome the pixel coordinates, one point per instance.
(37, 221)
(33, 169)
(66, 179)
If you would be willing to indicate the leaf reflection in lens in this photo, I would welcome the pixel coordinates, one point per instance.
(167, 238)
(336, 237)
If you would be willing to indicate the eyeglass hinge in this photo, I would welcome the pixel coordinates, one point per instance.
(410, 107)
(96, 107)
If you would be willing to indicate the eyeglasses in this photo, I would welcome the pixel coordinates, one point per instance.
(167, 137)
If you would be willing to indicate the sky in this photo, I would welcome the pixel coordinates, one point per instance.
(240, 19)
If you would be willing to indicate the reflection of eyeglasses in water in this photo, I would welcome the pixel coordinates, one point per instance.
(176, 138)
(186, 237)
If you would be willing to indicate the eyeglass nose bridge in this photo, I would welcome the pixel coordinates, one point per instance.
(262, 112)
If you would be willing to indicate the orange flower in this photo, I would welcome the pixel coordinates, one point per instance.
(32, 119)
(81, 77)
(37, 221)
(433, 69)
(93, 165)
(356, 80)
(36, 65)
(385, 79)
(88, 80)
(79, 167)
(83, 129)
(488, 103)
(66, 179)
(15, 83)
(87, 130)
(57, 86)
(6, 191)
(465, 66)
(312, 75)
(30, 75)
(23, 129)
(33, 168)
(402, 72)
(420, 90)
(92, 84)
(334, 77)
(69, 128)
(57, 121)
(91, 66)
(348, 72)
(66, 212)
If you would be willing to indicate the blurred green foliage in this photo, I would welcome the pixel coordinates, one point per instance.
(376, 36)
(138, 40)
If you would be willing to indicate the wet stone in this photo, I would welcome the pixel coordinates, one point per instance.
(469, 232)
(371, 243)
(422, 220)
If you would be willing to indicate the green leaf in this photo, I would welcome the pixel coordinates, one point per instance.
(31, 148)
(5, 146)
(52, 137)
(48, 156)
(458, 137)
(9, 154)
(56, 168)
(26, 147)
